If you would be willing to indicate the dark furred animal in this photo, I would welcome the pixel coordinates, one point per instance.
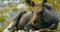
(26, 18)
(42, 19)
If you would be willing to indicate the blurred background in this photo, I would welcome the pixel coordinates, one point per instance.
(10, 8)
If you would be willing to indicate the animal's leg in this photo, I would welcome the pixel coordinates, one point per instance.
(24, 20)
(29, 27)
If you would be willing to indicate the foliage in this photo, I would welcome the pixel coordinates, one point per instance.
(5, 25)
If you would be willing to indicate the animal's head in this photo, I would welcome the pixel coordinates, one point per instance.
(37, 12)
(35, 4)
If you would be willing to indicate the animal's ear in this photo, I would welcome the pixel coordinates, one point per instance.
(45, 1)
(31, 3)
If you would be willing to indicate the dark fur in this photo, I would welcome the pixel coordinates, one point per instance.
(24, 20)
(45, 19)
(18, 17)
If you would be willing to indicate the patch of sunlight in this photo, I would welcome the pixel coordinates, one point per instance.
(58, 26)
(37, 1)
(23, 6)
